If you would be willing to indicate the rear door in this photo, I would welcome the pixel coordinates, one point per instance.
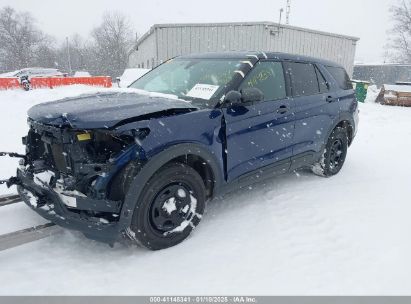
(313, 113)
(259, 135)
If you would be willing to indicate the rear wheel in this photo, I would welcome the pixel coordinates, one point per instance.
(171, 205)
(334, 154)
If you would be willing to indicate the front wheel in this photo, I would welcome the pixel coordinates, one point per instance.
(334, 154)
(171, 205)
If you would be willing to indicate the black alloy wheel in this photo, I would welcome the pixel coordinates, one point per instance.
(335, 152)
(170, 207)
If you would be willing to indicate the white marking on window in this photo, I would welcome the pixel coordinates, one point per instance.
(247, 62)
(255, 56)
(240, 72)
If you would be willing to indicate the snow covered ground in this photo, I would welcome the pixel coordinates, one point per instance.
(297, 234)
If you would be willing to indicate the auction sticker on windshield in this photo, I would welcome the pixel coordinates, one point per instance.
(203, 91)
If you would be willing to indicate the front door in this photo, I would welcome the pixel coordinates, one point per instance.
(259, 135)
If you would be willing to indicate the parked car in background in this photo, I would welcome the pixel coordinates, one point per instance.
(142, 163)
(129, 76)
(9, 74)
(26, 74)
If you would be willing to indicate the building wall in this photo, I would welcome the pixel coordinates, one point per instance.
(383, 74)
(145, 53)
(298, 41)
(175, 40)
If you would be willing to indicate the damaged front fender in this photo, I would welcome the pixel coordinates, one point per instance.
(67, 176)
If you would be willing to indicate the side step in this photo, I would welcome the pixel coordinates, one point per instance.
(28, 235)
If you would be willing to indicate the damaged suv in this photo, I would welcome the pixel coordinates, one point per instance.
(140, 163)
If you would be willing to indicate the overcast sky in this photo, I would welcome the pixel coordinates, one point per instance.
(367, 19)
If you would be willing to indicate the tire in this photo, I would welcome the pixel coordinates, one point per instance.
(335, 152)
(169, 208)
(26, 86)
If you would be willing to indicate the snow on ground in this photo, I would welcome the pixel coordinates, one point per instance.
(372, 94)
(297, 234)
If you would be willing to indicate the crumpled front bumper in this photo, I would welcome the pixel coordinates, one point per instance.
(48, 203)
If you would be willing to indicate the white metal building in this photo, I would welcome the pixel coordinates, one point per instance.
(165, 41)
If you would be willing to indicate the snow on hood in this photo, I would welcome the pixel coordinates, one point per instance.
(105, 109)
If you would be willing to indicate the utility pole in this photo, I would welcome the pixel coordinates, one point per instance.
(68, 56)
(281, 14)
(287, 12)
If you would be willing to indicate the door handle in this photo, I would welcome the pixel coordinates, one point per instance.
(282, 109)
(330, 99)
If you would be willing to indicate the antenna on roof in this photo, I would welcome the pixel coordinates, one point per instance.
(287, 12)
(277, 31)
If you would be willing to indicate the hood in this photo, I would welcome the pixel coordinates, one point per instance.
(104, 110)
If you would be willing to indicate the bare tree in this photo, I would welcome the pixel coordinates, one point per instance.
(112, 42)
(79, 53)
(400, 41)
(81, 57)
(105, 52)
(20, 39)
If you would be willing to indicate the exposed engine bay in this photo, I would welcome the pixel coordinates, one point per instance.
(82, 167)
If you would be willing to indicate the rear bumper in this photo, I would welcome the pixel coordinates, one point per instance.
(48, 204)
(356, 118)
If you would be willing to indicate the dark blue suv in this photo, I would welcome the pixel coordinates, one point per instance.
(141, 163)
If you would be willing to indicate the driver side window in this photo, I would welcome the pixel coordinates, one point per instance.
(268, 77)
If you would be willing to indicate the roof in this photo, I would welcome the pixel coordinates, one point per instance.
(265, 23)
(397, 88)
(382, 65)
(259, 55)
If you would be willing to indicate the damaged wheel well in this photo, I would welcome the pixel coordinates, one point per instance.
(202, 167)
(121, 182)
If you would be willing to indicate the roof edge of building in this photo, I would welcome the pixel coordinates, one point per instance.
(382, 64)
(267, 23)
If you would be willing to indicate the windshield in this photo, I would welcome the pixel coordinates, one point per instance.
(200, 80)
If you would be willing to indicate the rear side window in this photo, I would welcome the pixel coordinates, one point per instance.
(303, 78)
(269, 78)
(341, 76)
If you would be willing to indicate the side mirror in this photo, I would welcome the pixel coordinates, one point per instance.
(232, 97)
(250, 95)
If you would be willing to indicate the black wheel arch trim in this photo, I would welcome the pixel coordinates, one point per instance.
(158, 161)
(342, 117)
